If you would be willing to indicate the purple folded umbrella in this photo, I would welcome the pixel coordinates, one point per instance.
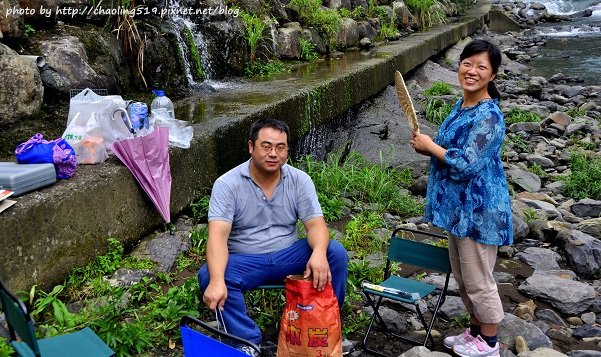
(147, 157)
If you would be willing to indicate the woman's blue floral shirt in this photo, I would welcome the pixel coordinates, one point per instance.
(468, 196)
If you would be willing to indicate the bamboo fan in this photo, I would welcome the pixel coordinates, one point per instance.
(405, 101)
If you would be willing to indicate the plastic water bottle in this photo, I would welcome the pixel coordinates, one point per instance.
(162, 102)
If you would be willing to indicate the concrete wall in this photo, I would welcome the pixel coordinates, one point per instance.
(51, 231)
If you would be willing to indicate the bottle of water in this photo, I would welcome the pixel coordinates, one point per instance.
(160, 103)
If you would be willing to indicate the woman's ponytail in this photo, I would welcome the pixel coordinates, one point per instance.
(493, 91)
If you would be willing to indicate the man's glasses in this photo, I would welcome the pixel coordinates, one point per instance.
(279, 148)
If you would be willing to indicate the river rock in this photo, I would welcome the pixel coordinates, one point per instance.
(404, 17)
(163, 249)
(421, 351)
(439, 279)
(348, 34)
(520, 228)
(525, 311)
(511, 327)
(589, 318)
(453, 307)
(584, 353)
(394, 320)
(551, 317)
(366, 30)
(525, 179)
(288, 42)
(559, 288)
(22, 91)
(527, 127)
(540, 258)
(540, 160)
(591, 226)
(68, 66)
(312, 35)
(550, 209)
(587, 208)
(587, 331)
(542, 352)
(583, 252)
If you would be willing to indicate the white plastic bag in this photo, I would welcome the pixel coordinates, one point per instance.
(180, 133)
(87, 105)
(86, 138)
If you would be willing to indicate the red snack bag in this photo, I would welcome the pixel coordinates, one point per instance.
(310, 325)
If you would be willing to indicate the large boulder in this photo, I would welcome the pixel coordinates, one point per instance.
(590, 226)
(525, 179)
(288, 42)
(559, 288)
(67, 65)
(22, 91)
(9, 22)
(226, 34)
(348, 34)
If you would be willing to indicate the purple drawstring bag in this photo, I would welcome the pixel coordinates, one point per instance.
(39, 151)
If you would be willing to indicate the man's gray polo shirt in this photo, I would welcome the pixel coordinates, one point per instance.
(259, 225)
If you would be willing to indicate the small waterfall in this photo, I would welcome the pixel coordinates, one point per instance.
(192, 45)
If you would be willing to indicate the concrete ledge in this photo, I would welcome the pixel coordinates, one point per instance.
(51, 231)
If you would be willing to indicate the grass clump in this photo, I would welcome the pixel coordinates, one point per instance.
(517, 115)
(375, 183)
(584, 180)
(307, 50)
(270, 68)
(437, 109)
(438, 88)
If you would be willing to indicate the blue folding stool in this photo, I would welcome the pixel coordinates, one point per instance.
(197, 344)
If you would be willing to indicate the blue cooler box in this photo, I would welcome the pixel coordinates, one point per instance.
(22, 178)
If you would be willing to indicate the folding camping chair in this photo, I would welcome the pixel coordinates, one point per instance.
(197, 344)
(408, 290)
(82, 343)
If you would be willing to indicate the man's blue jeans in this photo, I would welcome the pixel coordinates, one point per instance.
(248, 271)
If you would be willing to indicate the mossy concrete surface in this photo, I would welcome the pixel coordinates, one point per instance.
(51, 231)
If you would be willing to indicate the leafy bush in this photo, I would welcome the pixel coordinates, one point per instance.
(517, 115)
(325, 21)
(585, 178)
(6, 350)
(255, 33)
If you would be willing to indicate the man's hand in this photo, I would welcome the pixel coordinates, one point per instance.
(215, 295)
(319, 269)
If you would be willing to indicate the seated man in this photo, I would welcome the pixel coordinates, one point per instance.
(253, 238)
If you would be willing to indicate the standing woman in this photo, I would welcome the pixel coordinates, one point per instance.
(468, 196)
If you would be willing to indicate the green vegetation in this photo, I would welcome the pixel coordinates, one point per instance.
(388, 29)
(437, 109)
(530, 214)
(575, 112)
(375, 183)
(6, 350)
(517, 115)
(267, 69)
(255, 34)
(360, 233)
(520, 143)
(359, 13)
(196, 64)
(200, 207)
(585, 178)
(537, 170)
(438, 88)
(461, 321)
(428, 12)
(131, 320)
(325, 21)
(307, 50)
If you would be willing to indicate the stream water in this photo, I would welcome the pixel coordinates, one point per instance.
(572, 47)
